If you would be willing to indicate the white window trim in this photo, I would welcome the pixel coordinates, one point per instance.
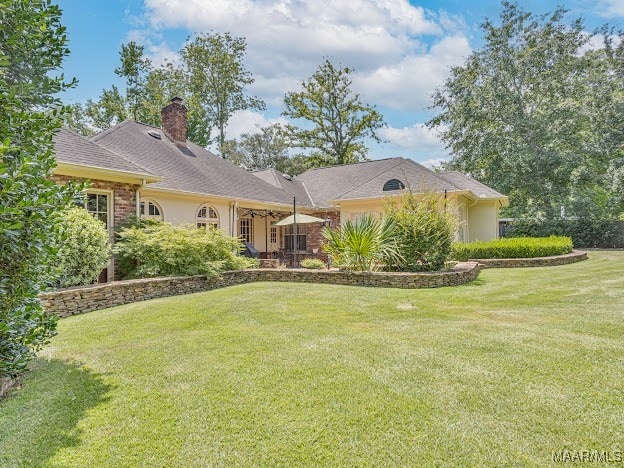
(110, 223)
(146, 201)
(207, 221)
(251, 228)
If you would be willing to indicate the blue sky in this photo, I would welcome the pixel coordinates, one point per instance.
(401, 50)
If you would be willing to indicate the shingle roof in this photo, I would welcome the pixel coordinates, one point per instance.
(190, 169)
(293, 187)
(366, 180)
(464, 182)
(130, 147)
(72, 148)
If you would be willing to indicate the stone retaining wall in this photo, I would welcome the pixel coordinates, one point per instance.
(78, 300)
(573, 257)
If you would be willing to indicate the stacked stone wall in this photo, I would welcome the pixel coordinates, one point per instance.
(79, 300)
(573, 257)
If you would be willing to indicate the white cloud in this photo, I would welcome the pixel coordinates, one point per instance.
(611, 8)
(434, 163)
(247, 121)
(384, 40)
(408, 84)
(416, 139)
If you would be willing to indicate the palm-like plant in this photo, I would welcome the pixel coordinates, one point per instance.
(366, 244)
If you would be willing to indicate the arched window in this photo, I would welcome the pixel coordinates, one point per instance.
(151, 209)
(207, 216)
(393, 184)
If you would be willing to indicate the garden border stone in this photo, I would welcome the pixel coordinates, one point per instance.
(81, 299)
(572, 257)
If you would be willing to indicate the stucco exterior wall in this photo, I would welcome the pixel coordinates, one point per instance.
(483, 221)
(180, 210)
(351, 209)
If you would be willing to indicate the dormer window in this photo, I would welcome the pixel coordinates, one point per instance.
(393, 184)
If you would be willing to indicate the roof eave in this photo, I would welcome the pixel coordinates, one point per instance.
(102, 173)
(224, 197)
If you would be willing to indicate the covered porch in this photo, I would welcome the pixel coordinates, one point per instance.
(269, 233)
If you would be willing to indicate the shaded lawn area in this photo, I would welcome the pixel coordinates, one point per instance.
(504, 371)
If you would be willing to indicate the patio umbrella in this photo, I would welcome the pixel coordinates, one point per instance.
(301, 219)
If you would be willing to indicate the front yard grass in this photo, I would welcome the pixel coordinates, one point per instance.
(503, 371)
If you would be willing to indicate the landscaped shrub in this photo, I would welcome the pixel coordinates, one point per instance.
(312, 264)
(520, 247)
(160, 249)
(84, 249)
(365, 244)
(587, 231)
(425, 229)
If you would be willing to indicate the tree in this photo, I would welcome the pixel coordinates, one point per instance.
(258, 151)
(216, 79)
(517, 117)
(109, 110)
(340, 122)
(161, 85)
(76, 119)
(134, 68)
(32, 48)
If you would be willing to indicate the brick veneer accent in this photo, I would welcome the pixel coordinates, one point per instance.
(124, 196)
(174, 121)
(314, 238)
(78, 300)
(573, 257)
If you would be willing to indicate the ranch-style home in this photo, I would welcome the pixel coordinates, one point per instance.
(137, 169)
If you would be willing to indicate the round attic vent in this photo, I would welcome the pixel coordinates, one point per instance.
(155, 134)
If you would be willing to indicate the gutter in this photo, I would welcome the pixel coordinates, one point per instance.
(79, 170)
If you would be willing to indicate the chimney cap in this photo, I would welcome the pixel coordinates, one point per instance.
(176, 99)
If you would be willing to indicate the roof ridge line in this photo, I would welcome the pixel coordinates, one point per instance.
(110, 130)
(308, 193)
(350, 164)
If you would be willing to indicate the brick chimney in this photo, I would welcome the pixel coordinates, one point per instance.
(174, 121)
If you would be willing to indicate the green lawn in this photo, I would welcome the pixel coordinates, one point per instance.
(504, 371)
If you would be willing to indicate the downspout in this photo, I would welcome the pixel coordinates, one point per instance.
(138, 198)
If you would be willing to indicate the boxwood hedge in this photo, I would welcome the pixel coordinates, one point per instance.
(518, 247)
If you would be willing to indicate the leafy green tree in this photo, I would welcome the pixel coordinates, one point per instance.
(135, 69)
(108, 110)
(76, 119)
(216, 79)
(32, 48)
(258, 151)
(161, 85)
(337, 121)
(522, 116)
